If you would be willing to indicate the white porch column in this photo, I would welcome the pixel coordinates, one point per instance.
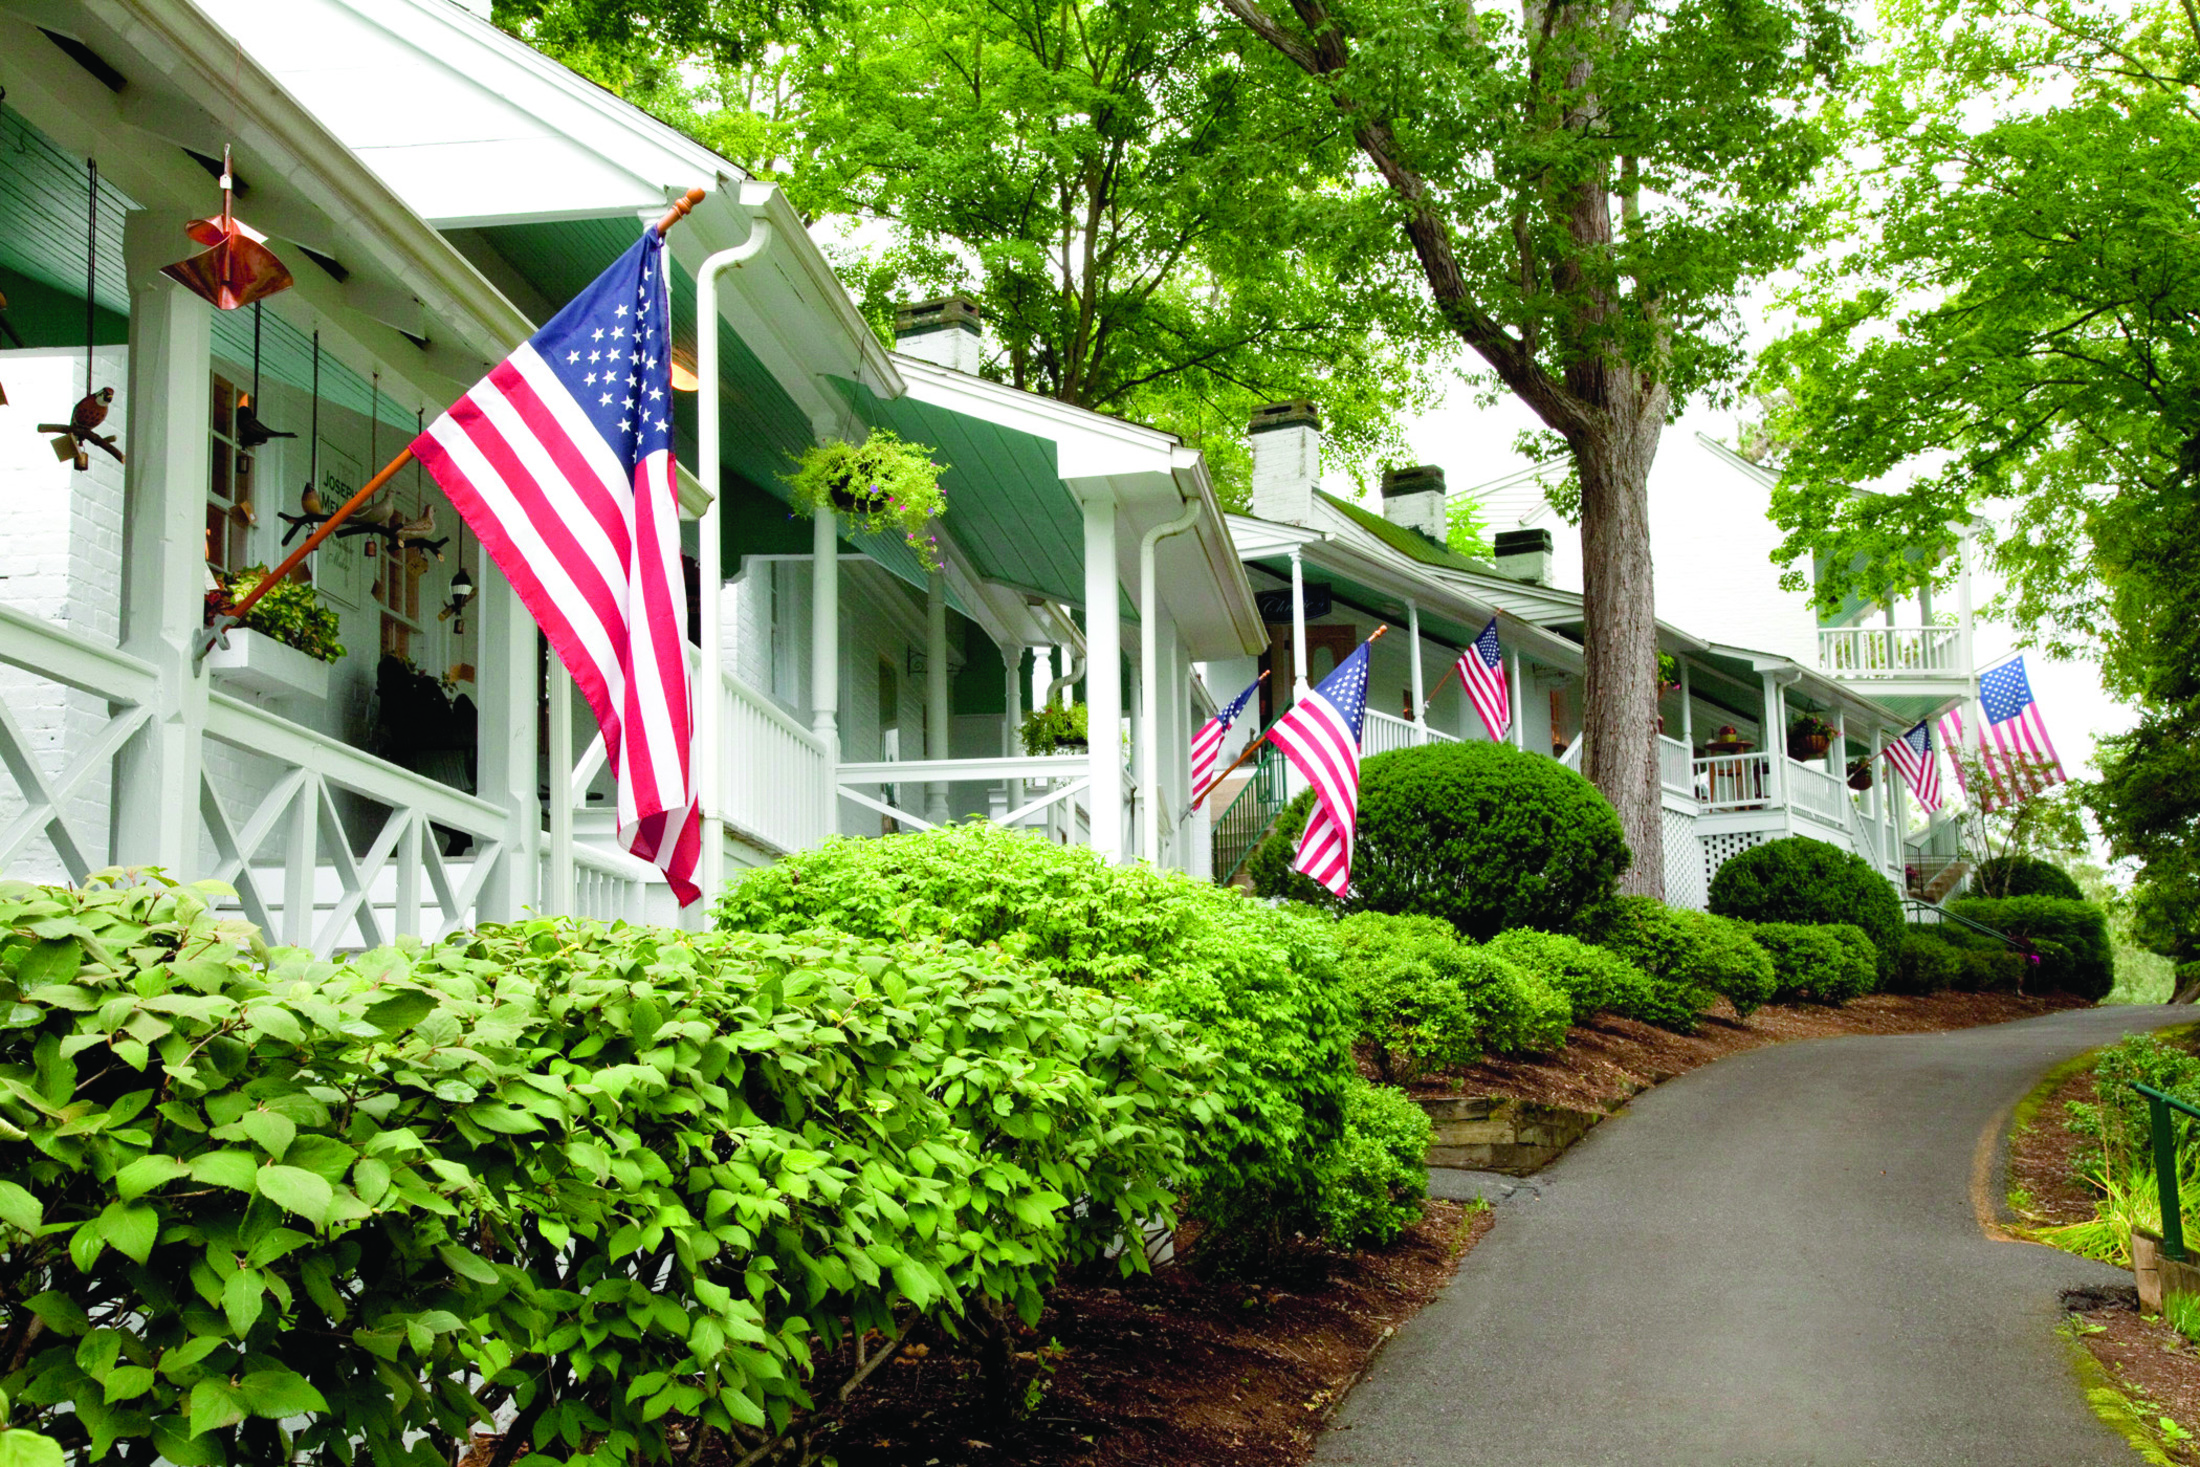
(1103, 672)
(1413, 648)
(825, 654)
(1042, 673)
(1837, 754)
(507, 677)
(1012, 715)
(1517, 694)
(155, 809)
(1775, 741)
(1298, 628)
(1688, 710)
(558, 888)
(937, 706)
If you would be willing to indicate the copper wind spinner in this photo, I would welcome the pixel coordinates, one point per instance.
(237, 267)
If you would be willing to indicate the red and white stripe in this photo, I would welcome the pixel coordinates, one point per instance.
(1321, 743)
(1951, 740)
(596, 561)
(1482, 673)
(2020, 757)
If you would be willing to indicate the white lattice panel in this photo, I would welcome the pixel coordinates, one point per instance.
(1685, 883)
(1724, 847)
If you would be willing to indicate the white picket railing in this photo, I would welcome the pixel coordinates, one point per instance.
(1676, 767)
(1811, 789)
(1734, 781)
(776, 778)
(1866, 652)
(1381, 733)
(1047, 779)
(125, 684)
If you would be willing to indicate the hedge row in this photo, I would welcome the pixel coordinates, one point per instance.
(261, 1207)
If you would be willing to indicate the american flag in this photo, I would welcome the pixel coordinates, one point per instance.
(1321, 738)
(1482, 670)
(561, 461)
(1913, 755)
(1951, 739)
(2020, 757)
(1207, 743)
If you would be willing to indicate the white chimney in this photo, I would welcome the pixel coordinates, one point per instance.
(1287, 461)
(1524, 555)
(1414, 498)
(949, 332)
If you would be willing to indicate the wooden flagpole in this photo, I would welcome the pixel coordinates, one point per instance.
(1256, 743)
(217, 633)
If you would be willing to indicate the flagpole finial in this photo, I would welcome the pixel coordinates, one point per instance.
(680, 209)
(1371, 641)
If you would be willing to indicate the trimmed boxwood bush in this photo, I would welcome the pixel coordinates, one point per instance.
(1994, 970)
(1428, 1001)
(264, 1208)
(1483, 835)
(2070, 937)
(2015, 876)
(1830, 964)
(1594, 979)
(1374, 1183)
(1257, 983)
(1797, 879)
(1926, 964)
(1694, 955)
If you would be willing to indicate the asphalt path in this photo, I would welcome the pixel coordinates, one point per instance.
(1773, 1259)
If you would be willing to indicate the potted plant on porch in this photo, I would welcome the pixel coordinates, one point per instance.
(885, 483)
(286, 642)
(1809, 736)
(1860, 772)
(1056, 729)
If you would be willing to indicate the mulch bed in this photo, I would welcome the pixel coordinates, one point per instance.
(1611, 1059)
(2158, 1368)
(2044, 1185)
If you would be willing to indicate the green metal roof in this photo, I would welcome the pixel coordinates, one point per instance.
(286, 356)
(45, 197)
(1410, 543)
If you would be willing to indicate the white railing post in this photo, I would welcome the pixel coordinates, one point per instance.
(1103, 668)
(1152, 622)
(559, 893)
(937, 704)
(157, 776)
(825, 648)
(1298, 628)
(508, 679)
(1413, 647)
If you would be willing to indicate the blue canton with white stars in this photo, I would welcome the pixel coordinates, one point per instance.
(1486, 648)
(611, 349)
(1346, 689)
(2005, 692)
(1920, 740)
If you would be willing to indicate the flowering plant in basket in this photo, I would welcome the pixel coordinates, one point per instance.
(884, 483)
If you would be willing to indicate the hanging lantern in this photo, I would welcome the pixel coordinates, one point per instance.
(237, 267)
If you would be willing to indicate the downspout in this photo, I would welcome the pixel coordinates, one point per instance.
(711, 875)
(1149, 683)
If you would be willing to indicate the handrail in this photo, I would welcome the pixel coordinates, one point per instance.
(1262, 800)
(1942, 914)
(2163, 1135)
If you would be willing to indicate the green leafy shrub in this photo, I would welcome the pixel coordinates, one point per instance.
(1996, 969)
(1926, 964)
(291, 612)
(1798, 879)
(1428, 1001)
(883, 485)
(1257, 983)
(1693, 956)
(2115, 1120)
(1831, 964)
(1374, 1183)
(1483, 835)
(2070, 937)
(1050, 727)
(264, 1208)
(2020, 875)
(1594, 979)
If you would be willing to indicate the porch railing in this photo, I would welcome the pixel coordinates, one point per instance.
(125, 685)
(1890, 651)
(1734, 781)
(1061, 778)
(1239, 828)
(1676, 768)
(1812, 790)
(1381, 733)
(776, 776)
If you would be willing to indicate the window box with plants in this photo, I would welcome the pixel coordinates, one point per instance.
(1056, 729)
(883, 485)
(1809, 736)
(286, 644)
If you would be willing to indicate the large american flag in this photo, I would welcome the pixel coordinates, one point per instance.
(561, 461)
(1951, 739)
(1321, 738)
(2020, 757)
(1207, 743)
(1482, 670)
(1913, 755)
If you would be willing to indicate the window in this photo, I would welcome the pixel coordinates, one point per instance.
(397, 576)
(229, 507)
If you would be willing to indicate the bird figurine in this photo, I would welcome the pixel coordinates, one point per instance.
(414, 531)
(83, 428)
(309, 500)
(251, 432)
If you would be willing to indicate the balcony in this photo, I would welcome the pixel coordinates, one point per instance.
(1869, 653)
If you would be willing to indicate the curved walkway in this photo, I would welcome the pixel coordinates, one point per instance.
(1773, 1259)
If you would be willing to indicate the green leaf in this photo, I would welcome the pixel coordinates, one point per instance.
(279, 1393)
(180, 1360)
(272, 1130)
(371, 1179)
(400, 1011)
(297, 1191)
(146, 1173)
(244, 1299)
(126, 1382)
(233, 1169)
(19, 1448)
(269, 1018)
(465, 1264)
(52, 961)
(214, 1405)
(130, 1228)
(173, 1441)
(916, 1284)
(20, 1209)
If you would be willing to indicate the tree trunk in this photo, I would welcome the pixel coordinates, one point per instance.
(1619, 752)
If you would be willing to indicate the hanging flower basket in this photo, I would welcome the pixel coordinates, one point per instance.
(1809, 737)
(1860, 773)
(882, 485)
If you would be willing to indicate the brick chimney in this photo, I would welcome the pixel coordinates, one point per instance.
(1414, 498)
(1287, 460)
(949, 332)
(1524, 555)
